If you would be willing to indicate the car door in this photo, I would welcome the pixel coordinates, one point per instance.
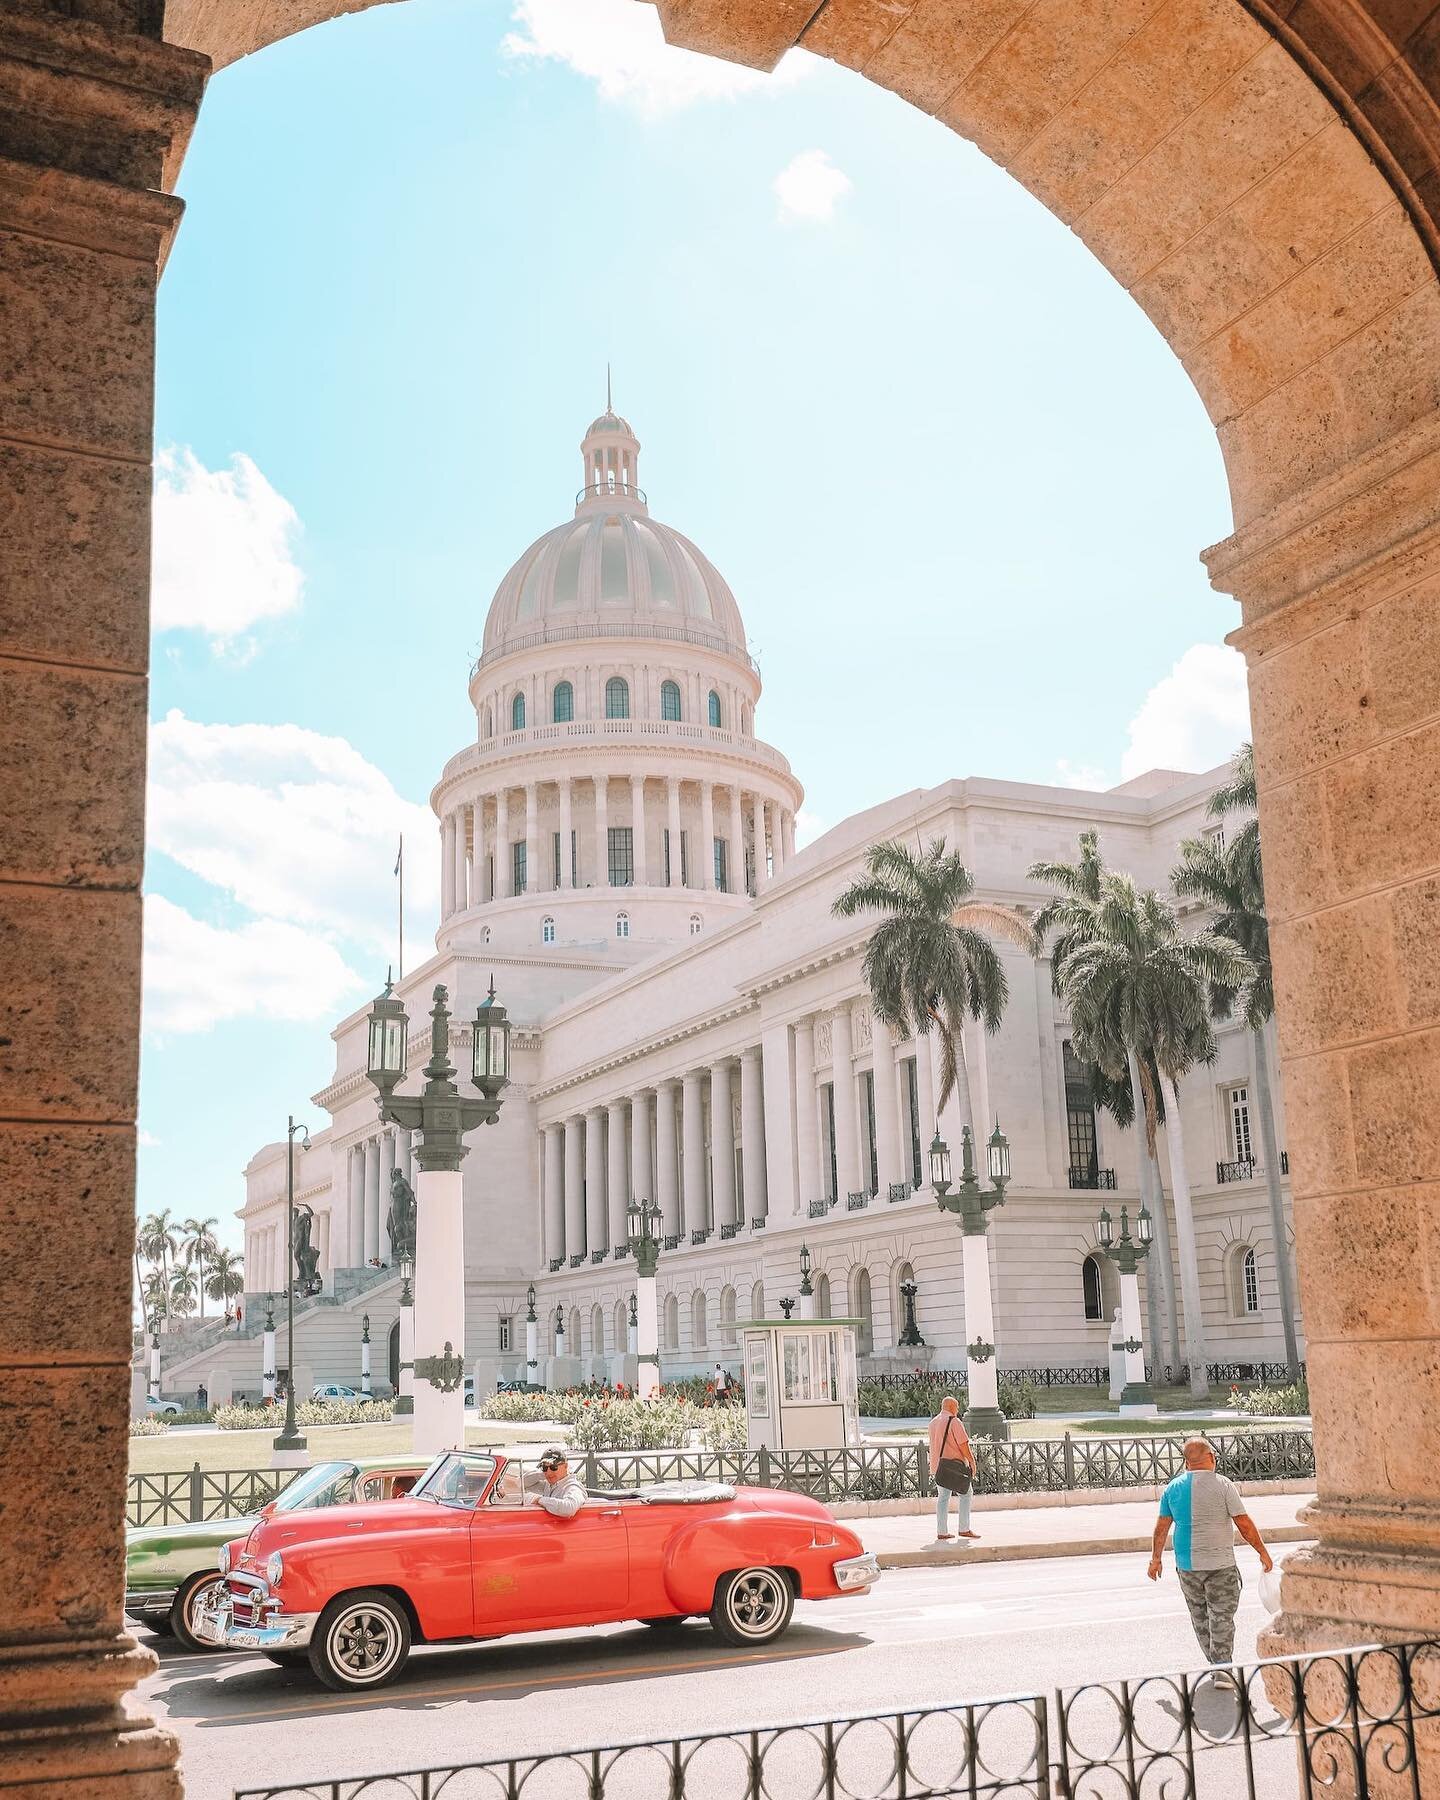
(533, 1572)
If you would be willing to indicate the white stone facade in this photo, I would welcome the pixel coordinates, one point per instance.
(693, 1028)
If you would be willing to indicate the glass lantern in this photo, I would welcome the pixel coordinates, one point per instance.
(490, 1047)
(389, 1028)
(634, 1223)
(530, 1299)
(1145, 1225)
(1105, 1229)
(939, 1163)
(999, 1153)
(805, 1261)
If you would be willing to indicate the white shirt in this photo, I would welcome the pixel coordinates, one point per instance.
(565, 1497)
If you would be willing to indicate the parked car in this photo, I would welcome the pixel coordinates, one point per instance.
(172, 1570)
(332, 1390)
(162, 1408)
(464, 1557)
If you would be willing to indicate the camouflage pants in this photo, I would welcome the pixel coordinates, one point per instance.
(1213, 1596)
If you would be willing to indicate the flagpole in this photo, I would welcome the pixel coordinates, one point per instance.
(399, 870)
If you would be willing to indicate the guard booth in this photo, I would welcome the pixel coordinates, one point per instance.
(800, 1391)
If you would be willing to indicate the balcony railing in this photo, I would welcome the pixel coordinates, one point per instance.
(757, 1224)
(611, 490)
(556, 1263)
(565, 631)
(857, 1202)
(1092, 1178)
(819, 1208)
(1245, 1168)
(730, 1231)
(620, 1251)
(597, 1256)
(673, 1243)
(577, 1259)
(699, 1237)
(898, 1190)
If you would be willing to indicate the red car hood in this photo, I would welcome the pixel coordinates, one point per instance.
(282, 1530)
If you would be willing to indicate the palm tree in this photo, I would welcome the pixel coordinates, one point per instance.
(157, 1234)
(1229, 881)
(182, 1289)
(1139, 982)
(155, 1294)
(1240, 794)
(1071, 917)
(226, 1280)
(929, 965)
(198, 1242)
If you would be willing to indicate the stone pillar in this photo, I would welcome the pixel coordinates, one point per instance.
(722, 1146)
(672, 801)
(475, 874)
(787, 833)
(637, 830)
(567, 830)
(808, 1186)
(757, 826)
(889, 1152)
(439, 1303)
(602, 839)
(355, 1210)
(503, 865)
(847, 1137)
(387, 1169)
(667, 1180)
(462, 859)
(616, 1185)
(752, 1133)
(925, 1095)
(692, 1127)
(777, 839)
(372, 1199)
(574, 1187)
(707, 835)
(535, 877)
(597, 1234)
(736, 870)
(447, 865)
(642, 1175)
(554, 1193)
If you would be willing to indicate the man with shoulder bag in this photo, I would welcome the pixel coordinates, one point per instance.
(952, 1463)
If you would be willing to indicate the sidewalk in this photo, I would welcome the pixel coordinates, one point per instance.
(1012, 1534)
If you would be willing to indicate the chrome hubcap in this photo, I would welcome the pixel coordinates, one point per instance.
(364, 1643)
(755, 1602)
(200, 1598)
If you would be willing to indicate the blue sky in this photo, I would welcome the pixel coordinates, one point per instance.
(956, 480)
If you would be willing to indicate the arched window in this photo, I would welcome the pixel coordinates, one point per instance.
(860, 1308)
(672, 1322)
(597, 1331)
(1092, 1287)
(695, 924)
(622, 1326)
(727, 1315)
(517, 713)
(562, 703)
(1243, 1282)
(822, 1297)
(714, 708)
(572, 1332)
(757, 1300)
(617, 698)
(669, 700)
(622, 925)
(698, 1333)
(547, 931)
(484, 934)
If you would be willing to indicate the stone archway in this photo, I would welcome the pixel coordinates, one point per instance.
(1264, 179)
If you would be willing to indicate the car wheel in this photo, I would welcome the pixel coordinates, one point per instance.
(185, 1608)
(752, 1606)
(361, 1641)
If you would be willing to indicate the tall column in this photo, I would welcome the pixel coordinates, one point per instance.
(808, 1187)
(722, 1145)
(672, 803)
(736, 870)
(439, 1303)
(462, 859)
(847, 1140)
(757, 821)
(777, 838)
(667, 1175)
(616, 1185)
(752, 1133)
(787, 833)
(567, 829)
(355, 1235)
(707, 835)
(503, 866)
(983, 1417)
(447, 865)
(574, 1187)
(475, 866)
(889, 1152)
(925, 1092)
(602, 832)
(637, 829)
(642, 1175)
(692, 1129)
(554, 1193)
(387, 1169)
(536, 878)
(597, 1233)
(372, 1199)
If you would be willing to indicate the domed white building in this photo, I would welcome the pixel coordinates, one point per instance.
(691, 1025)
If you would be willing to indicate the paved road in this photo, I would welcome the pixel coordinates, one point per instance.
(921, 1637)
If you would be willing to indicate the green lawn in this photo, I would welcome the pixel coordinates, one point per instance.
(252, 1449)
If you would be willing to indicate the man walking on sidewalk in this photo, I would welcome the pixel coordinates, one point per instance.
(1202, 1505)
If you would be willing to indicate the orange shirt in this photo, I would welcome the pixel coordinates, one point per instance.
(959, 1443)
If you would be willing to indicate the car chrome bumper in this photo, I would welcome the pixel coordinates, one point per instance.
(857, 1572)
(281, 1631)
(141, 1602)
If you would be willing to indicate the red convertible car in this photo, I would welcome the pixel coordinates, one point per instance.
(468, 1555)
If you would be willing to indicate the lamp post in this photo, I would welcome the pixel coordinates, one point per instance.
(155, 1354)
(367, 1391)
(974, 1204)
(642, 1218)
(405, 1373)
(442, 1116)
(1127, 1254)
(289, 1449)
(532, 1339)
(910, 1338)
(559, 1330)
(632, 1331)
(267, 1351)
(807, 1292)
(787, 1306)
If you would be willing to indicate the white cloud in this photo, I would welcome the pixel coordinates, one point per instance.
(810, 186)
(1080, 775)
(223, 548)
(147, 1140)
(619, 46)
(1193, 719)
(295, 826)
(808, 827)
(198, 976)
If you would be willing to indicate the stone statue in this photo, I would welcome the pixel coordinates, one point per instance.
(307, 1258)
(400, 1218)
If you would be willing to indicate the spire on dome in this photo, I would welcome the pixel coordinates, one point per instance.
(610, 452)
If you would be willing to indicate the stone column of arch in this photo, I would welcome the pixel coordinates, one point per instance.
(597, 1224)
(752, 1134)
(847, 1134)
(574, 1187)
(707, 836)
(667, 1173)
(807, 1119)
(567, 828)
(535, 878)
(637, 831)
(602, 830)
(642, 1175)
(692, 1128)
(736, 870)
(554, 1192)
(504, 868)
(889, 1152)
(722, 1145)
(372, 1199)
(757, 820)
(672, 801)
(616, 1184)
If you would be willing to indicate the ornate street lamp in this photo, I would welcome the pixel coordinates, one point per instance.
(289, 1449)
(267, 1351)
(442, 1116)
(974, 1204)
(632, 1330)
(532, 1339)
(559, 1330)
(787, 1306)
(807, 1291)
(367, 1390)
(405, 1373)
(910, 1338)
(155, 1353)
(642, 1221)
(1136, 1399)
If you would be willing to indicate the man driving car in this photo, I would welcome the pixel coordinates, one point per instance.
(564, 1494)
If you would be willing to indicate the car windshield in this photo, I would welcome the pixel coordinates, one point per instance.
(327, 1484)
(456, 1479)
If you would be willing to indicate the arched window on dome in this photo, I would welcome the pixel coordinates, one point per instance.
(547, 931)
(714, 705)
(617, 698)
(669, 700)
(622, 925)
(696, 922)
(489, 723)
(517, 713)
(485, 934)
(562, 703)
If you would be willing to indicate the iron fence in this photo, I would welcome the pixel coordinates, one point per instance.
(189, 1496)
(1353, 1722)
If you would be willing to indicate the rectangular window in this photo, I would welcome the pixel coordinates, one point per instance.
(912, 1103)
(867, 1080)
(722, 866)
(1252, 1283)
(507, 1326)
(684, 858)
(828, 1092)
(517, 867)
(1079, 1119)
(555, 852)
(757, 1378)
(490, 876)
(622, 855)
(1237, 1108)
(795, 1356)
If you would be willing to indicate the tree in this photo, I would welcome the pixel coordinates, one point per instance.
(226, 1281)
(183, 1289)
(1240, 794)
(197, 1243)
(1229, 880)
(1139, 982)
(154, 1294)
(158, 1235)
(929, 965)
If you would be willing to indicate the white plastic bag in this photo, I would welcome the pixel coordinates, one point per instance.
(1270, 1590)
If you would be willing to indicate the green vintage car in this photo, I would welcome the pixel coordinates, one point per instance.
(171, 1569)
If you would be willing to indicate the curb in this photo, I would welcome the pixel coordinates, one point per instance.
(933, 1557)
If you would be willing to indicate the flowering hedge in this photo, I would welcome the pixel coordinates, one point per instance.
(1273, 1402)
(307, 1412)
(147, 1425)
(565, 1407)
(920, 1397)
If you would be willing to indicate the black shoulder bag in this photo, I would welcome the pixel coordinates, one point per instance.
(952, 1472)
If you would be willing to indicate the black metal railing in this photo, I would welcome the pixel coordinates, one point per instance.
(898, 1190)
(556, 1264)
(857, 1202)
(757, 1224)
(819, 1208)
(1244, 1168)
(190, 1496)
(1092, 1178)
(577, 1259)
(1356, 1722)
(673, 1242)
(731, 1230)
(699, 1235)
